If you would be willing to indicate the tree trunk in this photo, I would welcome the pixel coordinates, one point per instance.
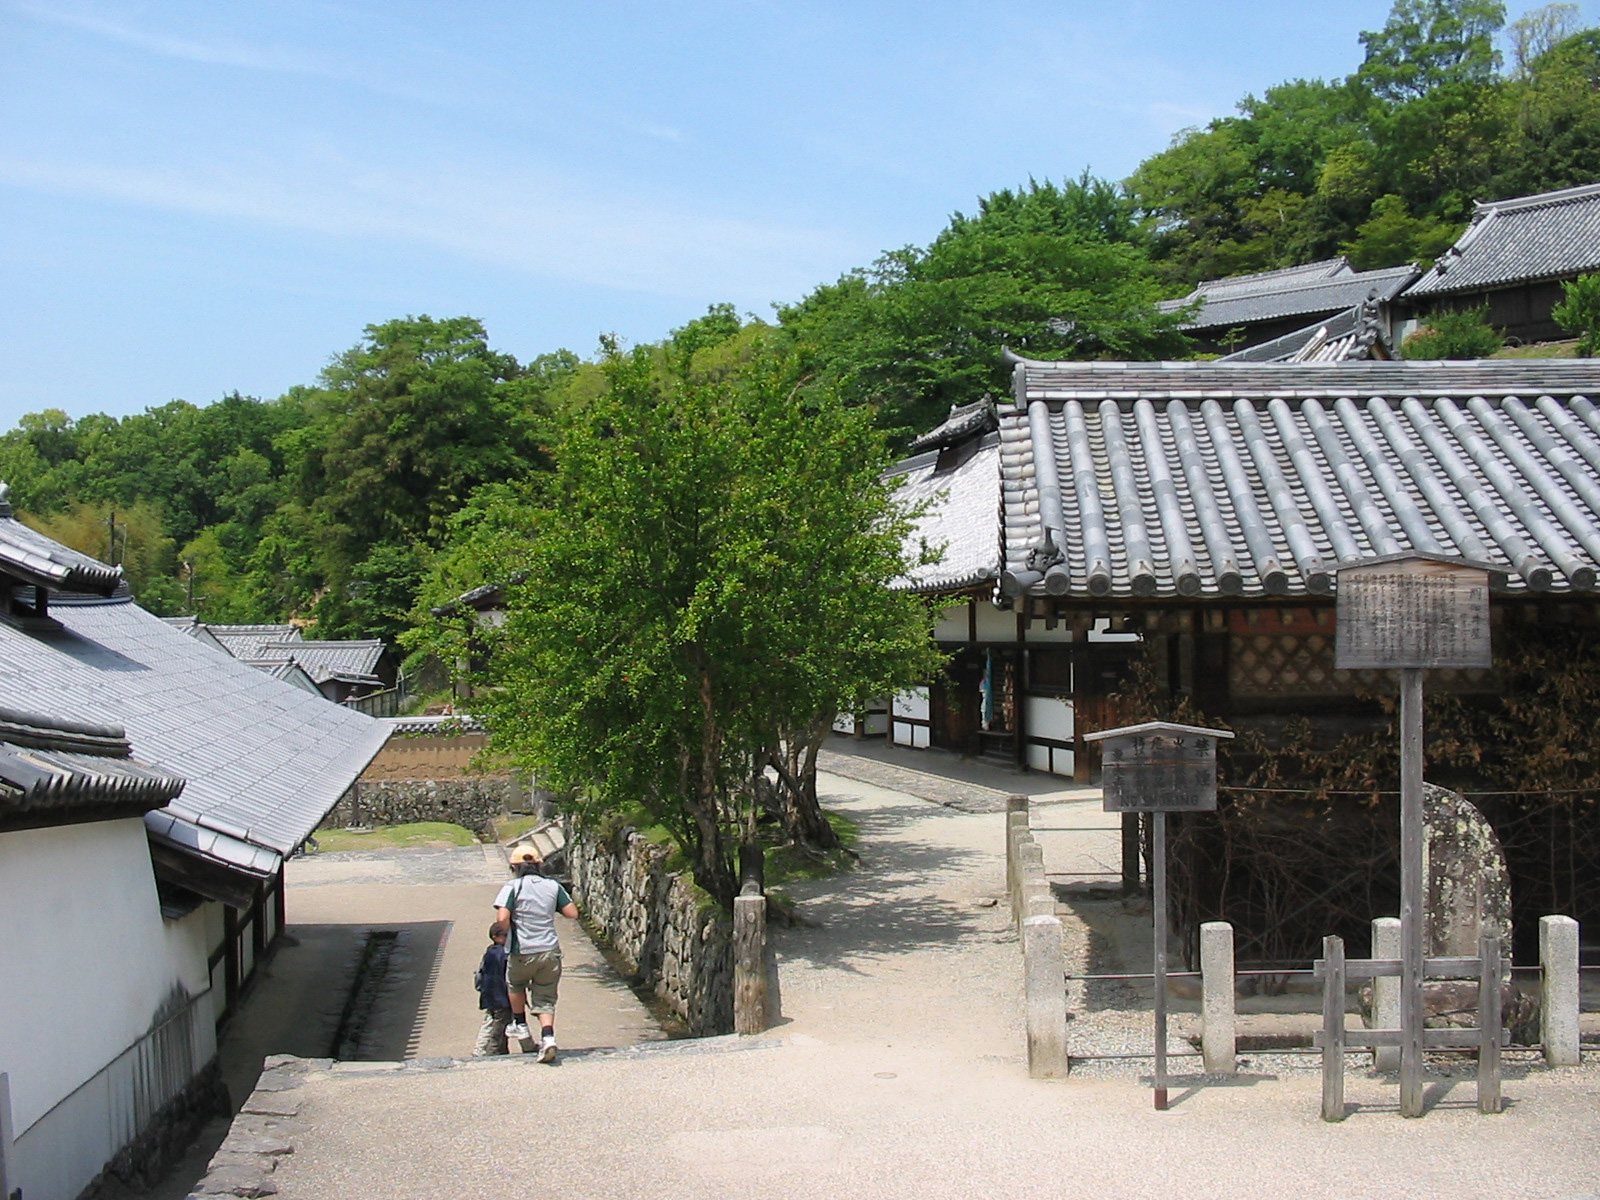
(804, 823)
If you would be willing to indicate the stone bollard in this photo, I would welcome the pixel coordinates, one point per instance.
(1038, 899)
(1045, 995)
(1558, 991)
(1030, 866)
(1016, 831)
(1386, 991)
(1217, 1040)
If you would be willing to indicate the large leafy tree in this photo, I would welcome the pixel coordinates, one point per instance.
(703, 575)
(1048, 270)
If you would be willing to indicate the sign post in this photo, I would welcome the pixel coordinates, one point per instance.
(1412, 613)
(1157, 768)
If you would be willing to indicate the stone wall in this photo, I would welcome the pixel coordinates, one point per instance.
(672, 940)
(474, 802)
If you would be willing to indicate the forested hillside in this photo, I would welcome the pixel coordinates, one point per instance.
(341, 500)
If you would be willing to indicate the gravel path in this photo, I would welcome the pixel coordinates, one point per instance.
(898, 1072)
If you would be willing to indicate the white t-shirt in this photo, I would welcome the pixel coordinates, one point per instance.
(534, 901)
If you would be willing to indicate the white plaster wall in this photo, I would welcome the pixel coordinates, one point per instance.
(1049, 717)
(910, 704)
(952, 624)
(996, 625)
(87, 958)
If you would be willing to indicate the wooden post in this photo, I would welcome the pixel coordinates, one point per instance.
(1333, 1028)
(1411, 887)
(8, 1159)
(1130, 854)
(1489, 1020)
(749, 963)
(1158, 872)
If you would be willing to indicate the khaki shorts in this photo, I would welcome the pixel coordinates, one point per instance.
(538, 975)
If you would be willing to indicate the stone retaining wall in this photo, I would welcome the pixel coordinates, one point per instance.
(472, 802)
(669, 937)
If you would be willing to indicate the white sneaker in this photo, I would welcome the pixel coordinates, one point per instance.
(517, 1032)
(547, 1050)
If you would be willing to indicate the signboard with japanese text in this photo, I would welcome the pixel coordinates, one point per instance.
(1159, 767)
(1413, 612)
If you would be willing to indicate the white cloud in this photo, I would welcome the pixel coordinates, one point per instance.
(538, 225)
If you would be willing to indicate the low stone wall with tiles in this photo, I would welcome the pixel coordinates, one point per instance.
(472, 802)
(670, 938)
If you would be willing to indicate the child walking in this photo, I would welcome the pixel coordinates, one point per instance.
(492, 995)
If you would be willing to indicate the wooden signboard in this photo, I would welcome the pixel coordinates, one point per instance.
(1413, 612)
(1159, 767)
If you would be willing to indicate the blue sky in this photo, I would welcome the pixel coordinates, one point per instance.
(200, 197)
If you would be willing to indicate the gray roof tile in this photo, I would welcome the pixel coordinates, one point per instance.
(1548, 236)
(1215, 479)
(1326, 287)
(962, 517)
(264, 761)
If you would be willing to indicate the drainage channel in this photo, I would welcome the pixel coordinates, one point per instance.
(376, 951)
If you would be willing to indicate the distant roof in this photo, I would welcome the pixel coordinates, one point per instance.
(245, 641)
(33, 558)
(1353, 334)
(53, 768)
(1217, 479)
(355, 661)
(964, 499)
(1548, 236)
(964, 421)
(264, 760)
(1329, 286)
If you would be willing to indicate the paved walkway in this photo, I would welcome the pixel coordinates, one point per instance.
(898, 1071)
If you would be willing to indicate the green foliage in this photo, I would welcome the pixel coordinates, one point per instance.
(1428, 44)
(131, 538)
(1392, 236)
(1049, 271)
(706, 571)
(1454, 333)
(1385, 163)
(1579, 313)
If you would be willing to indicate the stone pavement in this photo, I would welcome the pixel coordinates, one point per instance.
(897, 1071)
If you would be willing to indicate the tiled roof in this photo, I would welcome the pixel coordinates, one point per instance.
(1352, 334)
(964, 421)
(245, 641)
(52, 765)
(33, 558)
(356, 661)
(1326, 287)
(264, 761)
(1216, 479)
(1548, 236)
(963, 496)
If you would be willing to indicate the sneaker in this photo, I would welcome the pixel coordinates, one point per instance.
(517, 1032)
(547, 1050)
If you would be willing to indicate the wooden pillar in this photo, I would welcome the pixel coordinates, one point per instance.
(749, 963)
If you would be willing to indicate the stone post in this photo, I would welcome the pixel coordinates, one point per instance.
(1016, 829)
(1558, 991)
(1386, 991)
(1045, 995)
(1217, 1035)
(750, 963)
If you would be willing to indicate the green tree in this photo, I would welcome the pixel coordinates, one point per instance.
(1579, 313)
(1454, 333)
(1427, 44)
(707, 572)
(1049, 271)
(1392, 236)
(131, 538)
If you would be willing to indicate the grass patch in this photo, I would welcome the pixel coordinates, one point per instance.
(1541, 350)
(396, 837)
(785, 864)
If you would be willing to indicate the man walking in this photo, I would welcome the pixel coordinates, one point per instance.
(527, 906)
